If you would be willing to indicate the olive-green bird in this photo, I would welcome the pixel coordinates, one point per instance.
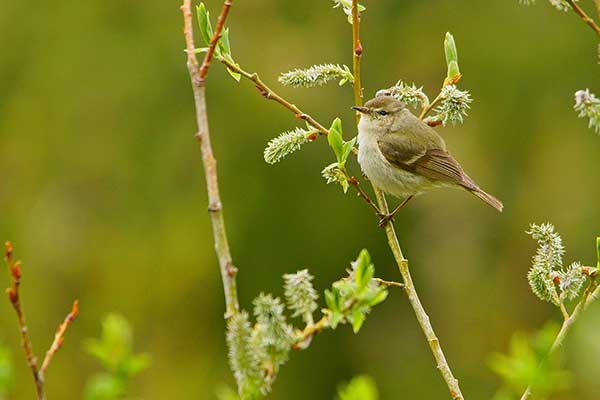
(403, 156)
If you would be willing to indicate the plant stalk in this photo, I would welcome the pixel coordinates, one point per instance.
(215, 206)
(393, 242)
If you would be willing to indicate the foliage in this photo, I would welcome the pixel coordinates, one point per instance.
(317, 75)
(547, 277)
(361, 387)
(587, 106)
(114, 351)
(256, 352)
(527, 364)
(6, 373)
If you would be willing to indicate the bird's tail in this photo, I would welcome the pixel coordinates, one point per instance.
(488, 198)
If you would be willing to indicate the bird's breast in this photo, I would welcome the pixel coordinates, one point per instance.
(384, 175)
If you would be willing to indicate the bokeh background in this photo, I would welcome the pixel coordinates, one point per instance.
(103, 196)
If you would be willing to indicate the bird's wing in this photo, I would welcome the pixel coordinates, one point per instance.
(432, 163)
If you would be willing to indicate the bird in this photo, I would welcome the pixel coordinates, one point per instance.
(403, 156)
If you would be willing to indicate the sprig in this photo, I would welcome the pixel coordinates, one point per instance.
(410, 95)
(223, 49)
(287, 143)
(300, 295)
(317, 75)
(453, 106)
(346, 6)
(548, 279)
(588, 106)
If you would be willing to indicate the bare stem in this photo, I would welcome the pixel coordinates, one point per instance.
(215, 206)
(270, 94)
(356, 57)
(586, 18)
(393, 243)
(59, 337)
(14, 268)
(589, 295)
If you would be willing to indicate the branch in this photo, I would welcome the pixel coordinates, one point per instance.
(215, 39)
(270, 94)
(14, 269)
(586, 18)
(215, 207)
(59, 337)
(589, 295)
(409, 287)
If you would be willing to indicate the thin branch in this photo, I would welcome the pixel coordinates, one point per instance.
(270, 94)
(215, 206)
(214, 40)
(389, 283)
(589, 295)
(409, 287)
(357, 51)
(586, 18)
(14, 269)
(59, 337)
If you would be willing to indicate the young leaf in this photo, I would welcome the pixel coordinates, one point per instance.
(335, 139)
(206, 31)
(224, 44)
(361, 387)
(364, 269)
(451, 56)
(347, 149)
(358, 317)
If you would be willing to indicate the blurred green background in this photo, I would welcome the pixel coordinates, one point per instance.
(103, 196)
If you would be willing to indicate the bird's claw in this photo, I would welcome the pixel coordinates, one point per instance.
(384, 219)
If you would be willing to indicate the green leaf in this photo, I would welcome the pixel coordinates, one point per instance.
(364, 269)
(451, 56)
(224, 44)
(335, 319)
(359, 388)
(6, 373)
(203, 16)
(375, 297)
(358, 317)
(335, 139)
(331, 301)
(347, 149)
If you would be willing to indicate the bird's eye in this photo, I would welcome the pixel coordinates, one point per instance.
(382, 112)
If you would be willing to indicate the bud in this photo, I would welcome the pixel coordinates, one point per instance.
(451, 56)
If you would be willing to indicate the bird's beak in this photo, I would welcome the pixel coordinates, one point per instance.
(363, 110)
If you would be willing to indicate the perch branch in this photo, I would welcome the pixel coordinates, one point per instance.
(215, 206)
(409, 287)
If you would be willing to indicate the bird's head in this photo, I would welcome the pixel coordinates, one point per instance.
(381, 107)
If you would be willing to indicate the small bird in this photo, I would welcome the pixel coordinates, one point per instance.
(403, 156)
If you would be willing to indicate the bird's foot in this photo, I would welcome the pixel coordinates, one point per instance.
(385, 218)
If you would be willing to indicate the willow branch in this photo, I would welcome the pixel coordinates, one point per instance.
(589, 295)
(59, 338)
(270, 94)
(393, 242)
(215, 206)
(214, 40)
(586, 18)
(14, 268)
